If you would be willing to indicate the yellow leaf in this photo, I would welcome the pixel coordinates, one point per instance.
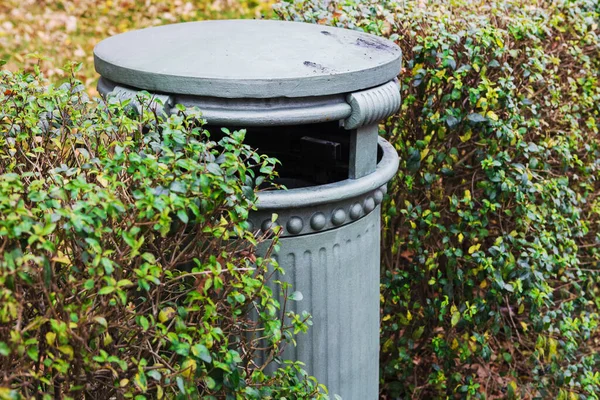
(492, 115)
(166, 314)
(552, 345)
(455, 315)
(483, 284)
(521, 308)
(562, 395)
(388, 345)
(481, 103)
(408, 315)
(524, 326)
(124, 382)
(573, 396)
(66, 350)
(101, 180)
(466, 136)
(8, 394)
(417, 68)
(454, 344)
(107, 339)
(500, 43)
(139, 380)
(62, 260)
(461, 237)
(474, 248)
(159, 392)
(387, 318)
(455, 318)
(468, 195)
(50, 338)
(188, 368)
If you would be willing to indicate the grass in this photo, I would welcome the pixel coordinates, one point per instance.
(54, 33)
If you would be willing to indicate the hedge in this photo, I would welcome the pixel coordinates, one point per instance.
(491, 245)
(126, 266)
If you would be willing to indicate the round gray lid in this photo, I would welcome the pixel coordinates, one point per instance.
(248, 59)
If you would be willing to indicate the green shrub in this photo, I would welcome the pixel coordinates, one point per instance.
(492, 245)
(126, 269)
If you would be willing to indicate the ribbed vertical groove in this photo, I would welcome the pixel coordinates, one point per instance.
(319, 327)
(358, 321)
(291, 276)
(335, 373)
(305, 349)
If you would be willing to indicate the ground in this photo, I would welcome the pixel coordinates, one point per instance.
(54, 32)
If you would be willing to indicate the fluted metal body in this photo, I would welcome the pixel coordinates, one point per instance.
(329, 250)
(337, 272)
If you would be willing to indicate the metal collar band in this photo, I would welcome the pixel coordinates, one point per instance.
(319, 208)
(354, 110)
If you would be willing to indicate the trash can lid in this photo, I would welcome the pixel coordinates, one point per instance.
(248, 59)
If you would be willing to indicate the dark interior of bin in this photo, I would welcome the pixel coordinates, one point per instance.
(310, 155)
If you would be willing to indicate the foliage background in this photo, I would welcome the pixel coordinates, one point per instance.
(492, 247)
(491, 253)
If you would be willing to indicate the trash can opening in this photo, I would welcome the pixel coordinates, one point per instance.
(310, 155)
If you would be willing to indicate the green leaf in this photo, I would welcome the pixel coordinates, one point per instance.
(476, 117)
(125, 283)
(4, 349)
(418, 333)
(47, 273)
(108, 265)
(106, 290)
(451, 121)
(33, 353)
(102, 321)
(154, 374)
(183, 216)
(202, 352)
(143, 321)
(89, 284)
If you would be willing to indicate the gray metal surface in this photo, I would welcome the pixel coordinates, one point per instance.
(373, 105)
(337, 272)
(248, 59)
(363, 151)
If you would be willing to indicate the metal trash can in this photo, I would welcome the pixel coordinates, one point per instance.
(312, 96)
